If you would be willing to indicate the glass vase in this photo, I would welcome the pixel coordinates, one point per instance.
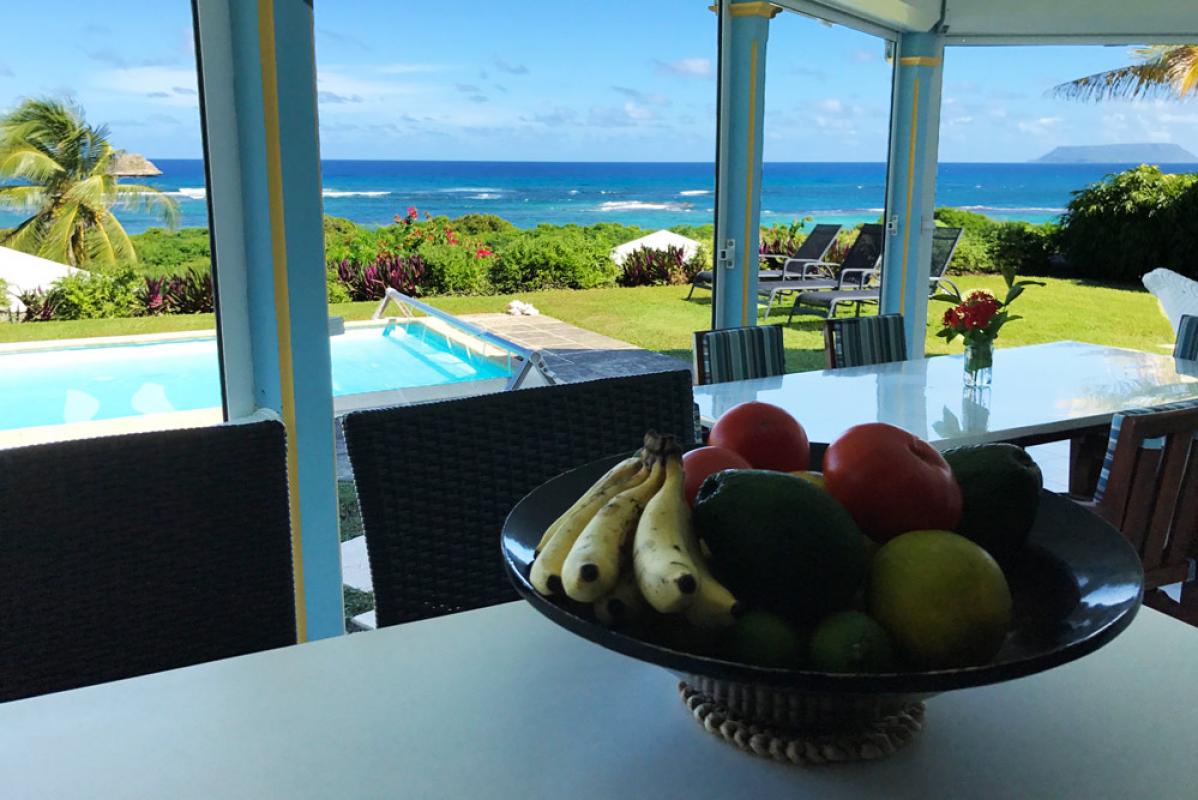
(979, 361)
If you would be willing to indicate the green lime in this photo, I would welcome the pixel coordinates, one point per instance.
(850, 641)
(763, 639)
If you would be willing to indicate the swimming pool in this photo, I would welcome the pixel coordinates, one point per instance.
(81, 384)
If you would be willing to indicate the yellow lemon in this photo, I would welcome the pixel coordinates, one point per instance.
(943, 600)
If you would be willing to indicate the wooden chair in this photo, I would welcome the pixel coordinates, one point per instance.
(737, 354)
(860, 341)
(1149, 491)
(437, 480)
(125, 555)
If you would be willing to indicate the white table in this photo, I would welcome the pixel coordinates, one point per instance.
(501, 703)
(1047, 391)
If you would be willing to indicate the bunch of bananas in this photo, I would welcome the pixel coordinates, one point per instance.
(628, 542)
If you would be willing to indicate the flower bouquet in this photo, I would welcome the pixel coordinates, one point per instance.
(977, 318)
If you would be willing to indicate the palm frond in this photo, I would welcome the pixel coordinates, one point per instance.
(26, 237)
(57, 242)
(118, 238)
(22, 162)
(1162, 71)
(140, 197)
(22, 198)
(99, 247)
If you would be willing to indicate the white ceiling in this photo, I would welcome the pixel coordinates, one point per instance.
(986, 21)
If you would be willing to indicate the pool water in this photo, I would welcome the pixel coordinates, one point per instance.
(51, 387)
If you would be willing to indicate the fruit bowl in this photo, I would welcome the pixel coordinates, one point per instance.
(1075, 586)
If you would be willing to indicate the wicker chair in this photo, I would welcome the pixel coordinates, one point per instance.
(860, 341)
(1149, 491)
(436, 480)
(126, 555)
(737, 354)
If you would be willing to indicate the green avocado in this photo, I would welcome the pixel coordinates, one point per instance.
(780, 543)
(1000, 486)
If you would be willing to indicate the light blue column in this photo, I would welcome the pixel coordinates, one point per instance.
(911, 184)
(259, 82)
(745, 27)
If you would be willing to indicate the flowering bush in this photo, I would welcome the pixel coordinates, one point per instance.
(980, 315)
(650, 267)
(370, 282)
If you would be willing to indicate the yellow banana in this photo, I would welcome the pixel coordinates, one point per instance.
(613, 482)
(714, 606)
(662, 549)
(623, 604)
(593, 565)
(546, 572)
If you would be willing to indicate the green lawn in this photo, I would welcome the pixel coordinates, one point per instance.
(658, 318)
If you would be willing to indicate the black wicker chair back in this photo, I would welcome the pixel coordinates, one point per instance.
(436, 480)
(126, 555)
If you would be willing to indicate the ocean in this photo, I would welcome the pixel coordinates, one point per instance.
(651, 195)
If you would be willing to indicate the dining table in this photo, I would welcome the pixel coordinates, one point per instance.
(1040, 392)
(502, 703)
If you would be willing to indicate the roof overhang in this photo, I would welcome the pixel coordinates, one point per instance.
(1116, 22)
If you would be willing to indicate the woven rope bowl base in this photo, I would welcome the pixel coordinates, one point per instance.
(880, 737)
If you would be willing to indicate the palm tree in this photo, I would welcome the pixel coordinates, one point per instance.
(1160, 71)
(55, 165)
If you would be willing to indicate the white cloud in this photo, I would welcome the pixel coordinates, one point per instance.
(1040, 126)
(964, 119)
(159, 82)
(692, 67)
(636, 111)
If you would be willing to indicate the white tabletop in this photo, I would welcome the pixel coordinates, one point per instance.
(1038, 389)
(501, 703)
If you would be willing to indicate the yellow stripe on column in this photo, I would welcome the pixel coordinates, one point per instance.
(910, 192)
(278, 247)
(750, 144)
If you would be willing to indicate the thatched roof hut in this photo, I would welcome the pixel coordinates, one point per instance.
(132, 165)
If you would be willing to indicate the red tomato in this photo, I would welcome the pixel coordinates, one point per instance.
(892, 481)
(765, 435)
(697, 464)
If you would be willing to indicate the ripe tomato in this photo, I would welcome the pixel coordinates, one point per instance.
(697, 464)
(765, 435)
(892, 481)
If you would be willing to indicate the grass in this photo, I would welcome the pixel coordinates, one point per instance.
(658, 318)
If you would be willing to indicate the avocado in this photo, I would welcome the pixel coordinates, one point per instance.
(1000, 486)
(779, 542)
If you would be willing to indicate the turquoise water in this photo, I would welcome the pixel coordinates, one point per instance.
(93, 383)
(651, 195)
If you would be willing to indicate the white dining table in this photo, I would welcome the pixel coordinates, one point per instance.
(1039, 392)
(502, 703)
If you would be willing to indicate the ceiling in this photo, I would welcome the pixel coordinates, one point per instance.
(1017, 21)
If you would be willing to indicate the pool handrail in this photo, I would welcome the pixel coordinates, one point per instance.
(406, 303)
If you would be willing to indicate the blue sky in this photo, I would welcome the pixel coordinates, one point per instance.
(585, 80)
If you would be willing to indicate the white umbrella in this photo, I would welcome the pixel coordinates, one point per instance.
(659, 240)
(23, 272)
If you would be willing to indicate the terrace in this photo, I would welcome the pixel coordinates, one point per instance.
(232, 529)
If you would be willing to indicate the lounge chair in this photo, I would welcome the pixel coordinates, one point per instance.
(809, 254)
(864, 287)
(816, 276)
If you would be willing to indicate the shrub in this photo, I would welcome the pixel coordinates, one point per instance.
(785, 239)
(337, 291)
(165, 252)
(188, 293)
(650, 267)
(98, 294)
(402, 273)
(475, 224)
(552, 259)
(453, 269)
(39, 306)
(1132, 222)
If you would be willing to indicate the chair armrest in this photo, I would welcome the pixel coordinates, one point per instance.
(808, 267)
(936, 283)
(862, 277)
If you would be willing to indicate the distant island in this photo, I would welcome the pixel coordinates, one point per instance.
(1143, 153)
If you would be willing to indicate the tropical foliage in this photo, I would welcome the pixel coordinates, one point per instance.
(56, 167)
(1158, 71)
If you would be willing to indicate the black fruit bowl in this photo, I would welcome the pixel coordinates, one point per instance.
(1076, 586)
